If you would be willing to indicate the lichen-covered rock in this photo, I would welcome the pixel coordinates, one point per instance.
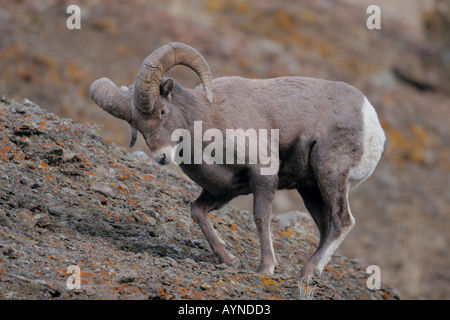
(71, 198)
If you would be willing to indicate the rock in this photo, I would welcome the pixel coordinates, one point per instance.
(189, 261)
(127, 276)
(54, 156)
(299, 221)
(101, 171)
(58, 210)
(102, 188)
(204, 286)
(42, 220)
(27, 130)
(9, 251)
(60, 155)
(141, 156)
(71, 171)
(21, 142)
(27, 102)
(3, 219)
(152, 221)
(5, 98)
(196, 243)
(68, 156)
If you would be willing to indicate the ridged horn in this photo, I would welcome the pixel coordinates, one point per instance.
(114, 100)
(158, 63)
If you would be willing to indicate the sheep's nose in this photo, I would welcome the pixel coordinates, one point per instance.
(162, 159)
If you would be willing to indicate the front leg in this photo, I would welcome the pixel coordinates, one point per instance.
(199, 210)
(264, 188)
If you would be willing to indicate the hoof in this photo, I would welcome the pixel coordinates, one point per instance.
(236, 262)
(308, 274)
(230, 260)
(266, 269)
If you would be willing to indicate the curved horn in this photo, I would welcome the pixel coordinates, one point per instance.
(112, 99)
(158, 63)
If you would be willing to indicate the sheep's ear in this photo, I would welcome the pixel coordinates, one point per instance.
(167, 87)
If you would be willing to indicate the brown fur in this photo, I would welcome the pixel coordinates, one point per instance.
(320, 127)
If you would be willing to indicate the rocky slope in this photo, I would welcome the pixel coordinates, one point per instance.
(401, 211)
(69, 197)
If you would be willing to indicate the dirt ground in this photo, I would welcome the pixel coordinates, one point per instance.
(401, 212)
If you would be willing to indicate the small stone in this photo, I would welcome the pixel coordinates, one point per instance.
(57, 211)
(102, 188)
(152, 221)
(70, 171)
(204, 286)
(221, 266)
(189, 261)
(9, 251)
(3, 219)
(141, 156)
(42, 220)
(68, 156)
(25, 142)
(127, 276)
(27, 102)
(54, 156)
(101, 171)
(27, 130)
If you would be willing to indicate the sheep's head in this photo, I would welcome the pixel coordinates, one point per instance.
(146, 104)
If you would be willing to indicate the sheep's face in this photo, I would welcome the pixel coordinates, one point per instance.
(157, 127)
(156, 130)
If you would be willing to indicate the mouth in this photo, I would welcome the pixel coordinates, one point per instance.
(162, 160)
(163, 156)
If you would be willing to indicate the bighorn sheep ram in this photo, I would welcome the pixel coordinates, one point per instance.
(330, 140)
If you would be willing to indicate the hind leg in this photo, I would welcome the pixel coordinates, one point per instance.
(332, 215)
(314, 203)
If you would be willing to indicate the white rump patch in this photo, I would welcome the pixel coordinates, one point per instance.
(373, 145)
